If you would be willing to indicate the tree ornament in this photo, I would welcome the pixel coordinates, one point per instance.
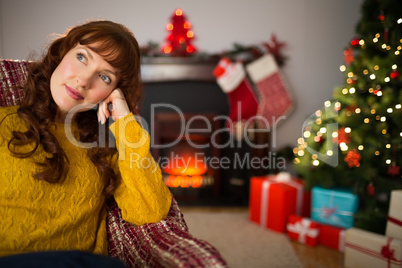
(351, 81)
(348, 56)
(386, 35)
(353, 158)
(395, 74)
(377, 91)
(394, 170)
(381, 16)
(343, 136)
(370, 189)
(180, 37)
(351, 108)
(355, 42)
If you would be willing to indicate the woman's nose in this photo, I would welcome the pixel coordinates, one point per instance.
(84, 79)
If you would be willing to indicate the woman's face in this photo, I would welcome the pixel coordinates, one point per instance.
(84, 78)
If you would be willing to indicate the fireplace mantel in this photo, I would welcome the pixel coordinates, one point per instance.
(165, 69)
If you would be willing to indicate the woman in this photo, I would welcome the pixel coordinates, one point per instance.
(58, 162)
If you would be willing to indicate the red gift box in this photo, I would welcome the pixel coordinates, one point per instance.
(333, 237)
(303, 230)
(274, 198)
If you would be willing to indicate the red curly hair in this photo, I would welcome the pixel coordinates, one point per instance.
(118, 46)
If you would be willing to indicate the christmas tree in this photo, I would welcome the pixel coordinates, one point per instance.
(179, 40)
(355, 140)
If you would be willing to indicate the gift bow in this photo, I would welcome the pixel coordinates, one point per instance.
(388, 253)
(328, 212)
(303, 228)
(283, 177)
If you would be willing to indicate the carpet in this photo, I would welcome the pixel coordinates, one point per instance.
(241, 242)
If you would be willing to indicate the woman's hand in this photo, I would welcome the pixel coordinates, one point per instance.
(115, 106)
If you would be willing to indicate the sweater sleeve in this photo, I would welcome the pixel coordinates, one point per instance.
(141, 195)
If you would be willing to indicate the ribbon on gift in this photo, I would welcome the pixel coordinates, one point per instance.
(281, 177)
(303, 228)
(330, 213)
(386, 254)
(395, 220)
(341, 243)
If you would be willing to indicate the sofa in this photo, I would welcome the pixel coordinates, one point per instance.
(167, 243)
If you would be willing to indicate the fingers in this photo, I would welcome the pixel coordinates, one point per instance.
(114, 106)
(103, 112)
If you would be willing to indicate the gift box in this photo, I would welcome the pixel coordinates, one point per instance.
(303, 230)
(335, 206)
(394, 223)
(273, 198)
(332, 237)
(367, 249)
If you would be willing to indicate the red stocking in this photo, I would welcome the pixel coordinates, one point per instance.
(231, 77)
(275, 100)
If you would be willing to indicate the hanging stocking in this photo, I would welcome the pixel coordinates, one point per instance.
(243, 103)
(275, 100)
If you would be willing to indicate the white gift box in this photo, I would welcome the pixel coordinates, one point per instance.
(366, 249)
(394, 223)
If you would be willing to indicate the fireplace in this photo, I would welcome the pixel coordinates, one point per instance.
(183, 93)
(185, 145)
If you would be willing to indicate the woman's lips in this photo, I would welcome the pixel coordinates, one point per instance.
(74, 93)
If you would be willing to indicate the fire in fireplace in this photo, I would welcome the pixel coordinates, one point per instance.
(186, 168)
(183, 158)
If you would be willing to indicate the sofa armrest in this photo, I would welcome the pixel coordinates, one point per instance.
(167, 243)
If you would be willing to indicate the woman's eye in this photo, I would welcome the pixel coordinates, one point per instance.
(81, 57)
(106, 79)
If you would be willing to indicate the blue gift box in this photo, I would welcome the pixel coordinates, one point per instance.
(335, 206)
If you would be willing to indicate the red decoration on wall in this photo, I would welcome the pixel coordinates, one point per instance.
(274, 47)
(179, 40)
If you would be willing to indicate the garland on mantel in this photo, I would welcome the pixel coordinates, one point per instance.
(238, 53)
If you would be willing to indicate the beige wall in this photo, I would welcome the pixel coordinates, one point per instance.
(316, 32)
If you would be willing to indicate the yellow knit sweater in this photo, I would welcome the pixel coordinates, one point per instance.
(38, 216)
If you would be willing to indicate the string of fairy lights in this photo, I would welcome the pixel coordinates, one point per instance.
(341, 135)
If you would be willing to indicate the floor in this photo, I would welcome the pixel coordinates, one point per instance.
(310, 257)
(318, 257)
